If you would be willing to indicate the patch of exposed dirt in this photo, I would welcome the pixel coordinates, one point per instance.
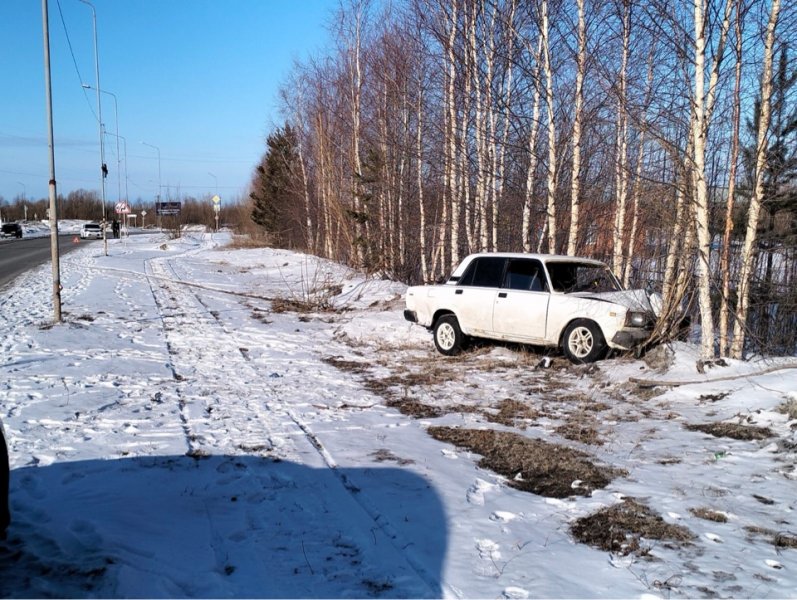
(385, 455)
(733, 430)
(622, 528)
(531, 465)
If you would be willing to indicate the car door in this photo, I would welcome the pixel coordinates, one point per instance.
(475, 292)
(521, 305)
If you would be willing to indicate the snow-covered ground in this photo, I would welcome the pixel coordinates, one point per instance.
(209, 422)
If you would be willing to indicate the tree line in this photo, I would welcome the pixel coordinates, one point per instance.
(656, 135)
(86, 205)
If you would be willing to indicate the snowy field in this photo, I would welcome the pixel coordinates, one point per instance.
(223, 423)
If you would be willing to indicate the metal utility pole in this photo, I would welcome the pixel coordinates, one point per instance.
(51, 145)
(103, 168)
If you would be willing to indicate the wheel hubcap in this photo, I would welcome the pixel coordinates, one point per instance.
(581, 342)
(446, 336)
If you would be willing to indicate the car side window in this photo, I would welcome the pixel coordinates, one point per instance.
(485, 271)
(525, 274)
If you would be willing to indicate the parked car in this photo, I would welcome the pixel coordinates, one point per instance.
(91, 231)
(11, 230)
(5, 515)
(576, 304)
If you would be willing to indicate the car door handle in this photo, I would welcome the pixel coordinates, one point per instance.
(458, 292)
(502, 295)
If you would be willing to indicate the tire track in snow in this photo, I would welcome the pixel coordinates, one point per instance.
(182, 310)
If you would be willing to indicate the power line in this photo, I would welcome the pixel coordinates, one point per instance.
(74, 61)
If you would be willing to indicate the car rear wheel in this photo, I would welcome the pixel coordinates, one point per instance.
(448, 337)
(583, 342)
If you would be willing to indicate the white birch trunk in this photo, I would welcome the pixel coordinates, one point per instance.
(551, 180)
(532, 167)
(621, 163)
(575, 186)
(754, 212)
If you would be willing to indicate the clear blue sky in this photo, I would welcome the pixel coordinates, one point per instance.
(196, 78)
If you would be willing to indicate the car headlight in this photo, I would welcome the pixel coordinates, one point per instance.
(636, 319)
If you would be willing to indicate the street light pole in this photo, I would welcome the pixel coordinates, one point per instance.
(159, 167)
(118, 158)
(157, 207)
(51, 146)
(99, 121)
(24, 199)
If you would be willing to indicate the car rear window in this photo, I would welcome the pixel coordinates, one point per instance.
(485, 271)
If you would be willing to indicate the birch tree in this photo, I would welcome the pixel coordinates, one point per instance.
(575, 183)
(754, 210)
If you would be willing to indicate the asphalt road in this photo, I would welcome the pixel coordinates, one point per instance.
(18, 256)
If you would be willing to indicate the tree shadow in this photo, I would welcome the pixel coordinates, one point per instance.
(221, 526)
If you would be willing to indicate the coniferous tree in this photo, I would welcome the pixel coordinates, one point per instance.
(275, 185)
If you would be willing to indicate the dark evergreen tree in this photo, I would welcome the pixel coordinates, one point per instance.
(780, 177)
(275, 184)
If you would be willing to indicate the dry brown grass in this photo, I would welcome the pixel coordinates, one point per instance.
(578, 429)
(776, 538)
(732, 430)
(789, 408)
(512, 413)
(709, 515)
(531, 465)
(622, 528)
(241, 242)
(415, 408)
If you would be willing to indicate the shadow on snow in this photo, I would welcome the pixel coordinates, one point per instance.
(221, 526)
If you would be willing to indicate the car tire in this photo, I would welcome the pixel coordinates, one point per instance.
(448, 337)
(583, 342)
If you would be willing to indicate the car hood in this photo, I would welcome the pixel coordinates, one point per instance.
(637, 300)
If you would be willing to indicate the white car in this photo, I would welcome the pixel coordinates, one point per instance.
(540, 299)
(91, 231)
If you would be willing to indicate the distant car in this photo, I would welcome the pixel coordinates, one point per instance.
(5, 515)
(91, 231)
(576, 304)
(11, 230)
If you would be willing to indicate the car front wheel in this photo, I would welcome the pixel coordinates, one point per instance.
(448, 337)
(583, 342)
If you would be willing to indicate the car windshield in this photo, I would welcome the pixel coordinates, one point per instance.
(91, 226)
(571, 277)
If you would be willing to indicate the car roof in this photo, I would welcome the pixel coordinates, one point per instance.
(542, 257)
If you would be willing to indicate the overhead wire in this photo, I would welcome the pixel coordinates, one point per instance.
(74, 60)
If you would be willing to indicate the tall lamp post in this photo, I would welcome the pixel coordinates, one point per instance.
(103, 168)
(157, 207)
(215, 201)
(54, 254)
(24, 199)
(118, 158)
